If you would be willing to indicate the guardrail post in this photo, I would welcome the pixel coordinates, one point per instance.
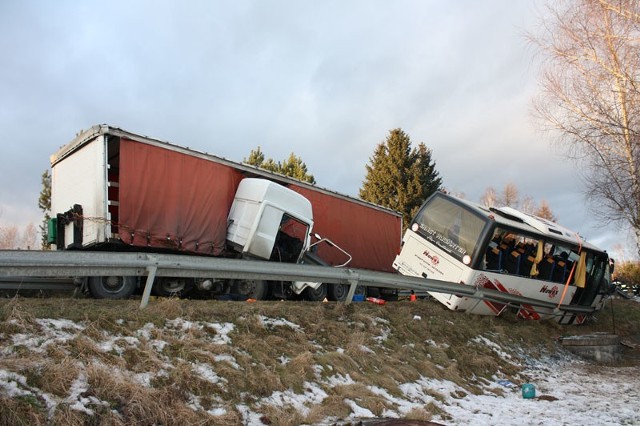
(352, 290)
(151, 276)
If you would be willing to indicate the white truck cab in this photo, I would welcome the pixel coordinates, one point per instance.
(266, 220)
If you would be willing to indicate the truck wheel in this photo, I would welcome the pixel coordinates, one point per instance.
(112, 287)
(315, 295)
(253, 289)
(172, 286)
(339, 292)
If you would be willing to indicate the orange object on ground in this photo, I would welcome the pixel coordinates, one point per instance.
(376, 300)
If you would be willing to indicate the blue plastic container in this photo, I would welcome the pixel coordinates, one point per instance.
(528, 391)
(358, 298)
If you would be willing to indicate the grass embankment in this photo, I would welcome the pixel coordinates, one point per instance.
(209, 362)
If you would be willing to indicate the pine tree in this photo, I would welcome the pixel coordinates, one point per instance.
(399, 177)
(256, 157)
(44, 202)
(293, 166)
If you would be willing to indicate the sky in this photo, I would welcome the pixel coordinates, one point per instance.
(324, 80)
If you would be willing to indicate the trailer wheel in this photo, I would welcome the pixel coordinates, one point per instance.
(172, 286)
(317, 294)
(339, 292)
(253, 289)
(112, 287)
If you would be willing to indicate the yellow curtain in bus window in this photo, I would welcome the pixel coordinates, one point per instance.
(538, 259)
(581, 271)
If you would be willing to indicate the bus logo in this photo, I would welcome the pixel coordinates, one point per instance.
(552, 292)
(433, 258)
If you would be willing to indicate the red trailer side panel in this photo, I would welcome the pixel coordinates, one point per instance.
(173, 200)
(370, 235)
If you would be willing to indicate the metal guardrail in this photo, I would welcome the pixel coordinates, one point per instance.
(67, 264)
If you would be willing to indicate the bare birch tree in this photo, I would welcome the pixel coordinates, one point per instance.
(509, 196)
(591, 96)
(29, 237)
(8, 237)
(489, 198)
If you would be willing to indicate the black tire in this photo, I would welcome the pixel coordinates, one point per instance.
(252, 289)
(172, 286)
(339, 292)
(315, 295)
(112, 287)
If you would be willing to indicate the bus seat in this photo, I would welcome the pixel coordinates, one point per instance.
(559, 272)
(545, 268)
(526, 264)
(512, 262)
(494, 259)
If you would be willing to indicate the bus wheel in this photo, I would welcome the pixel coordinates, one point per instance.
(315, 294)
(339, 292)
(253, 289)
(112, 287)
(172, 286)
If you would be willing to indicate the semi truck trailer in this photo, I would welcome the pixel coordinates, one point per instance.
(114, 190)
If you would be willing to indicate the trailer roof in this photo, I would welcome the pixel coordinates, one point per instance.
(86, 136)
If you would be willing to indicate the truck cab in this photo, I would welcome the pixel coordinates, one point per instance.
(268, 221)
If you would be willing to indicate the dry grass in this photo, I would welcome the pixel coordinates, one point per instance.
(127, 366)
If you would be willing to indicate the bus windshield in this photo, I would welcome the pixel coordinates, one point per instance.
(450, 226)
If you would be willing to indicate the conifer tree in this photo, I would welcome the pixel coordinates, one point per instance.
(44, 202)
(293, 166)
(256, 157)
(400, 177)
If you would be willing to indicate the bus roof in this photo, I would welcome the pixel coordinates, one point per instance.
(512, 218)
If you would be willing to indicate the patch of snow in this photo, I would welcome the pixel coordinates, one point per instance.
(317, 370)
(433, 343)
(145, 331)
(217, 412)
(366, 350)
(249, 418)
(143, 379)
(284, 360)
(312, 395)
(493, 346)
(77, 401)
(223, 331)
(13, 384)
(228, 359)
(206, 373)
(51, 331)
(340, 380)
(278, 322)
(357, 411)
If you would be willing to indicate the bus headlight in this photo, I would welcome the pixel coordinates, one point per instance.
(415, 227)
(466, 259)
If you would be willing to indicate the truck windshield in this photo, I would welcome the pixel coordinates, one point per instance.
(450, 226)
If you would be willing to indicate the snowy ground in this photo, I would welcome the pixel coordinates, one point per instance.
(568, 392)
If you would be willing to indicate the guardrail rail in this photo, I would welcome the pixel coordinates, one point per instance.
(35, 269)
